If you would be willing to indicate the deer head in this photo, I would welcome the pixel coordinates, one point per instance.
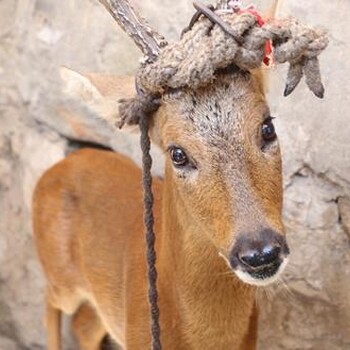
(224, 166)
(210, 117)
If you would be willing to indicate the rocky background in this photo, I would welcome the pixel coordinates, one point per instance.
(311, 308)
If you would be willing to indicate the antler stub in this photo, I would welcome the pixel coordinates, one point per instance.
(146, 38)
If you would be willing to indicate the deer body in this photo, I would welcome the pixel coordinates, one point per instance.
(218, 211)
(107, 192)
(93, 252)
(89, 233)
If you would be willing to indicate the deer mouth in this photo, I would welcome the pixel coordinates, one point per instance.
(262, 276)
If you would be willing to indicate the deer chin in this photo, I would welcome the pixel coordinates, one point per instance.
(263, 277)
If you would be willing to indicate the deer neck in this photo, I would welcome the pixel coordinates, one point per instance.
(192, 275)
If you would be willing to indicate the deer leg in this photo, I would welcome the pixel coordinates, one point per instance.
(53, 325)
(88, 328)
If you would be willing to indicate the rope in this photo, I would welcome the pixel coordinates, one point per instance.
(134, 111)
(149, 231)
(299, 45)
(209, 46)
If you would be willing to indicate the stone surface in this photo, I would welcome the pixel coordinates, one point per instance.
(310, 308)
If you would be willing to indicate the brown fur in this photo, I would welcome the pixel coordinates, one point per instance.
(89, 233)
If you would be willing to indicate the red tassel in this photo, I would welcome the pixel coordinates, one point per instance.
(261, 22)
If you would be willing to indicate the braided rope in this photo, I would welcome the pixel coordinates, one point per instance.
(134, 111)
(150, 236)
(193, 61)
(206, 48)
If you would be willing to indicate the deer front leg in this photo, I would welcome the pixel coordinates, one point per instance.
(53, 324)
(88, 328)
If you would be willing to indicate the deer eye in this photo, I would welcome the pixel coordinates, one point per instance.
(178, 156)
(268, 130)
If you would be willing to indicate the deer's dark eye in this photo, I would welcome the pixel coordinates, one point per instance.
(178, 156)
(268, 130)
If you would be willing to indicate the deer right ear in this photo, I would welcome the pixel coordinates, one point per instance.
(79, 86)
(100, 93)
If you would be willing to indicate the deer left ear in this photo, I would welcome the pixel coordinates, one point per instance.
(261, 77)
(264, 74)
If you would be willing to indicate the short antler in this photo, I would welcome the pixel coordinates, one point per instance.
(146, 38)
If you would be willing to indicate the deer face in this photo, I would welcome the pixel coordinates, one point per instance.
(224, 163)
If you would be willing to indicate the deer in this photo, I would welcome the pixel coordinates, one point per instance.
(218, 210)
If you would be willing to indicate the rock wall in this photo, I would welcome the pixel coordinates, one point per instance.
(310, 309)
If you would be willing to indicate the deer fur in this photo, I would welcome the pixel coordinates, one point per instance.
(87, 220)
(88, 228)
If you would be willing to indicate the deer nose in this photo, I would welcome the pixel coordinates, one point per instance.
(259, 257)
(256, 258)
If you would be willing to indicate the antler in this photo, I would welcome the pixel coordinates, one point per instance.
(146, 38)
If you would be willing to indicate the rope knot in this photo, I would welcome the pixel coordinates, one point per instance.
(220, 38)
(131, 110)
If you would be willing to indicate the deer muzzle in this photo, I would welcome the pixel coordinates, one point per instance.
(259, 258)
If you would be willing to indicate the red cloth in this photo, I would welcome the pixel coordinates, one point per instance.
(261, 22)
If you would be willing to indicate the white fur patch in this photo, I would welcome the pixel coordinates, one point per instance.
(247, 278)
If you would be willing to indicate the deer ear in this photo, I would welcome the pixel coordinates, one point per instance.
(79, 86)
(99, 92)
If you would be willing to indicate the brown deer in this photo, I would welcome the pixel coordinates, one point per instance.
(218, 220)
